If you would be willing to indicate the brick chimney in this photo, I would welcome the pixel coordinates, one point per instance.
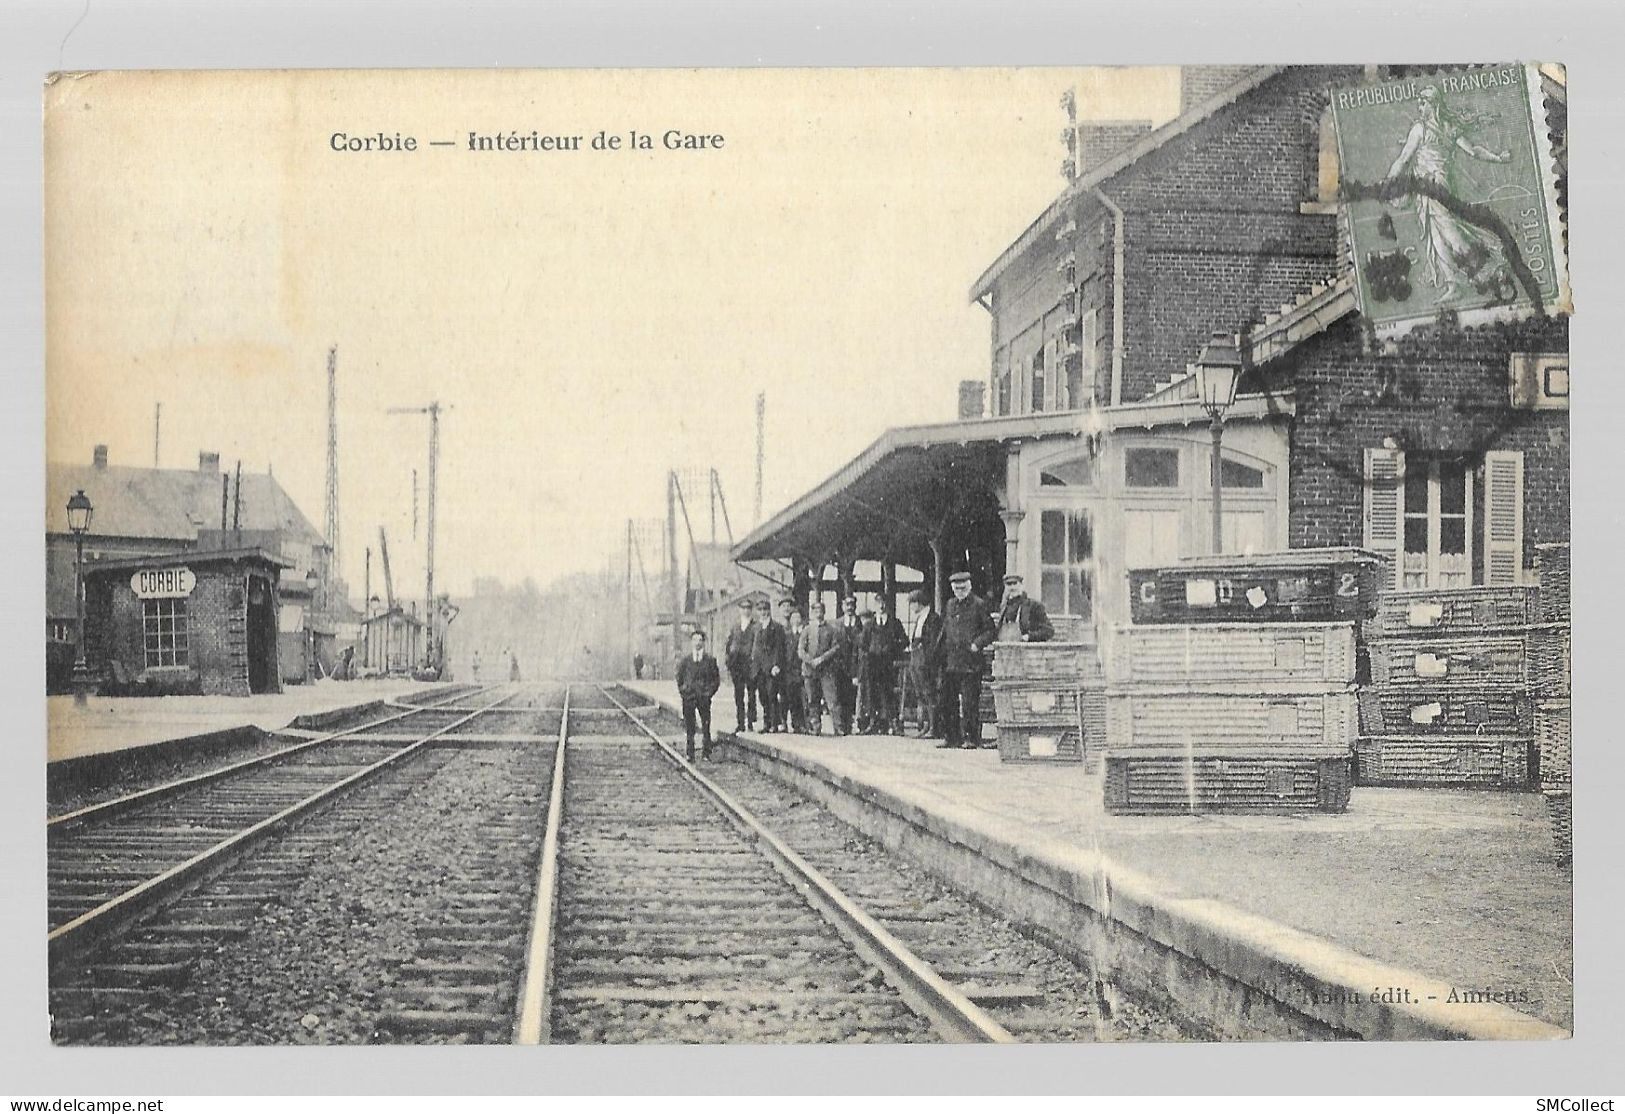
(98, 457)
(1099, 140)
(208, 462)
(971, 394)
(1202, 83)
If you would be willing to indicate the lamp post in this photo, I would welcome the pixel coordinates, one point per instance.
(79, 512)
(1218, 369)
(312, 582)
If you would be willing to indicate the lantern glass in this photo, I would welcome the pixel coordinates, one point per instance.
(1218, 370)
(1216, 384)
(79, 512)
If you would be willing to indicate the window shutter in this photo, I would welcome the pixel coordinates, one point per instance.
(1384, 509)
(1503, 517)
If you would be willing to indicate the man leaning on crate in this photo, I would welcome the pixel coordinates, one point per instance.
(1022, 618)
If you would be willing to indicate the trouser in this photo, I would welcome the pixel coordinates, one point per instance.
(821, 691)
(846, 690)
(767, 696)
(924, 680)
(880, 679)
(695, 707)
(962, 708)
(792, 702)
(744, 702)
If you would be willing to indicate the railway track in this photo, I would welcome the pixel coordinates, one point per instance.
(679, 917)
(582, 883)
(114, 866)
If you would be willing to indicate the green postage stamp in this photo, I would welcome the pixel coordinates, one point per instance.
(1448, 191)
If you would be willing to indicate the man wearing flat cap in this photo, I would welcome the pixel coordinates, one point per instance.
(1022, 618)
(967, 630)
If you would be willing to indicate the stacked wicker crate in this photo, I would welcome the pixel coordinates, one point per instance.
(1047, 697)
(1553, 689)
(1449, 702)
(1234, 689)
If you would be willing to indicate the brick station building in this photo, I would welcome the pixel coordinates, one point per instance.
(1446, 449)
(197, 622)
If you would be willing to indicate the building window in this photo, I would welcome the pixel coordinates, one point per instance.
(1066, 557)
(59, 630)
(1432, 499)
(1153, 468)
(1038, 381)
(165, 632)
(1079, 472)
(1238, 475)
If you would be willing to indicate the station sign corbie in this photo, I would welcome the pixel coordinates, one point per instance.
(163, 584)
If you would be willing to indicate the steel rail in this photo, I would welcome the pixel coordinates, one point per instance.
(145, 796)
(533, 1022)
(108, 918)
(953, 1015)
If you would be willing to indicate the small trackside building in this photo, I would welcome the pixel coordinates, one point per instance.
(196, 622)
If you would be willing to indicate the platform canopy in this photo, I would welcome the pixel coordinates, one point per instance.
(919, 483)
(913, 484)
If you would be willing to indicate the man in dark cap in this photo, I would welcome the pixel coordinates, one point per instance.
(924, 658)
(1022, 618)
(967, 630)
(767, 663)
(736, 655)
(849, 632)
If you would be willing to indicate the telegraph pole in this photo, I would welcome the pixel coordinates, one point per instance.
(433, 409)
(761, 412)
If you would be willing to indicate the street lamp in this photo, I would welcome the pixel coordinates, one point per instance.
(312, 582)
(79, 511)
(1218, 369)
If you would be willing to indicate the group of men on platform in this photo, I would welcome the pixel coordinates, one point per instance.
(788, 672)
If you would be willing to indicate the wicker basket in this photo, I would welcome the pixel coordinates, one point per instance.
(1296, 585)
(1017, 661)
(1453, 611)
(1552, 563)
(1036, 703)
(1551, 660)
(1499, 659)
(1445, 710)
(1040, 744)
(1559, 809)
(1165, 785)
(1317, 656)
(1182, 721)
(1555, 731)
(1483, 761)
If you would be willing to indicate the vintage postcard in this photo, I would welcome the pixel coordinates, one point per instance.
(808, 556)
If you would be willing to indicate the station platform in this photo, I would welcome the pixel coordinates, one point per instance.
(1435, 893)
(107, 724)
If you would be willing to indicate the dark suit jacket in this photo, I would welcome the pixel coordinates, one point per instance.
(851, 640)
(698, 680)
(737, 652)
(818, 654)
(1029, 615)
(767, 651)
(967, 630)
(885, 642)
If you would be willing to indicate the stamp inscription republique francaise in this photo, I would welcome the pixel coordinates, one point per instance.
(1449, 199)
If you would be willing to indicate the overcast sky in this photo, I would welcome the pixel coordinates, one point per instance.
(593, 318)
